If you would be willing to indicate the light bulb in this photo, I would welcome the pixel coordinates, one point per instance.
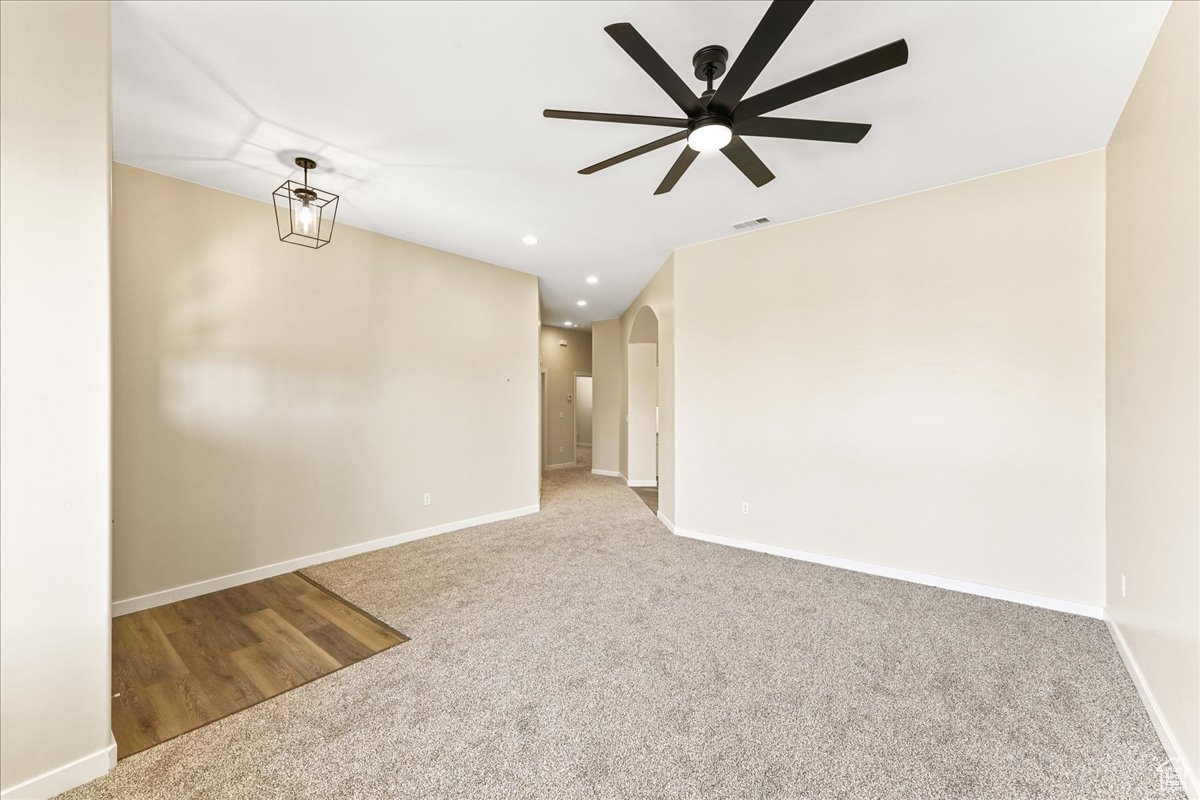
(711, 133)
(304, 219)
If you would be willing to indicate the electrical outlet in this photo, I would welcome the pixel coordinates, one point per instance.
(1122, 584)
(428, 499)
(560, 449)
(745, 507)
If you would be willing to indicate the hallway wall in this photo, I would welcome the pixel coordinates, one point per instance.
(642, 398)
(608, 384)
(583, 411)
(561, 364)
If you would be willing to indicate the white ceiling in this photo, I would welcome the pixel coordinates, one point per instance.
(428, 115)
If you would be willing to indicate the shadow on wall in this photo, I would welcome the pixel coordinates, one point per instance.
(272, 403)
(246, 384)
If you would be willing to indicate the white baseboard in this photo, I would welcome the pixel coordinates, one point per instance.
(68, 776)
(641, 483)
(608, 473)
(153, 599)
(1165, 734)
(563, 465)
(665, 520)
(953, 584)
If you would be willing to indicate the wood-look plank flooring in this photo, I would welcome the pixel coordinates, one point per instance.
(649, 495)
(183, 665)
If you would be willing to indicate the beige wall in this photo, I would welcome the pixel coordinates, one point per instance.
(917, 384)
(1153, 380)
(561, 364)
(583, 411)
(607, 385)
(274, 402)
(641, 467)
(659, 296)
(54, 393)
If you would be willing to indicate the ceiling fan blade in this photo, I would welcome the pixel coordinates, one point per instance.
(637, 151)
(816, 130)
(676, 171)
(760, 48)
(854, 69)
(628, 119)
(649, 60)
(745, 159)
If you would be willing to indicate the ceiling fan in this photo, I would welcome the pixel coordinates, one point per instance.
(718, 119)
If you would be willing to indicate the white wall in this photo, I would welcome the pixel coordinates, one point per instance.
(1154, 379)
(54, 395)
(274, 402)
(583, 410)
(917, 384)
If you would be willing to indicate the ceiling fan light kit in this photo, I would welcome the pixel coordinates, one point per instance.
(304, 215)
(709, 133)
(718, 119)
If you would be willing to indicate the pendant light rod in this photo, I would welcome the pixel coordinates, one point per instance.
(305, 164)
(305, 195)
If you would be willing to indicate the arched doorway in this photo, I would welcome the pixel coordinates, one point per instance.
(642, 389)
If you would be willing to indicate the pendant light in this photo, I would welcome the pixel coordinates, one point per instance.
(304, 214)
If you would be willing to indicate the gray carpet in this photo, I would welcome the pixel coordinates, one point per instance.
(584, 652)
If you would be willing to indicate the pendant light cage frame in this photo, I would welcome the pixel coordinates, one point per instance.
(289, 200)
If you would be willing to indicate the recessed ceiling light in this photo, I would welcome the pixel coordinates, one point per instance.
(568, 323)
(593, 279)
(581, 302)
(529, 238)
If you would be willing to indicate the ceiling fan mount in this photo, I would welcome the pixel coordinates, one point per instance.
(709, 63)
(718, 119)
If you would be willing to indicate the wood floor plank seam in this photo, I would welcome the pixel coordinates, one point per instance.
(348, 604)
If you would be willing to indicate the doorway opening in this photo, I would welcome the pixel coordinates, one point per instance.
(566, 372)
(641, 428)
(583, 419)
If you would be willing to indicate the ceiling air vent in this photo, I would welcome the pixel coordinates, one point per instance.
(750, 223)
